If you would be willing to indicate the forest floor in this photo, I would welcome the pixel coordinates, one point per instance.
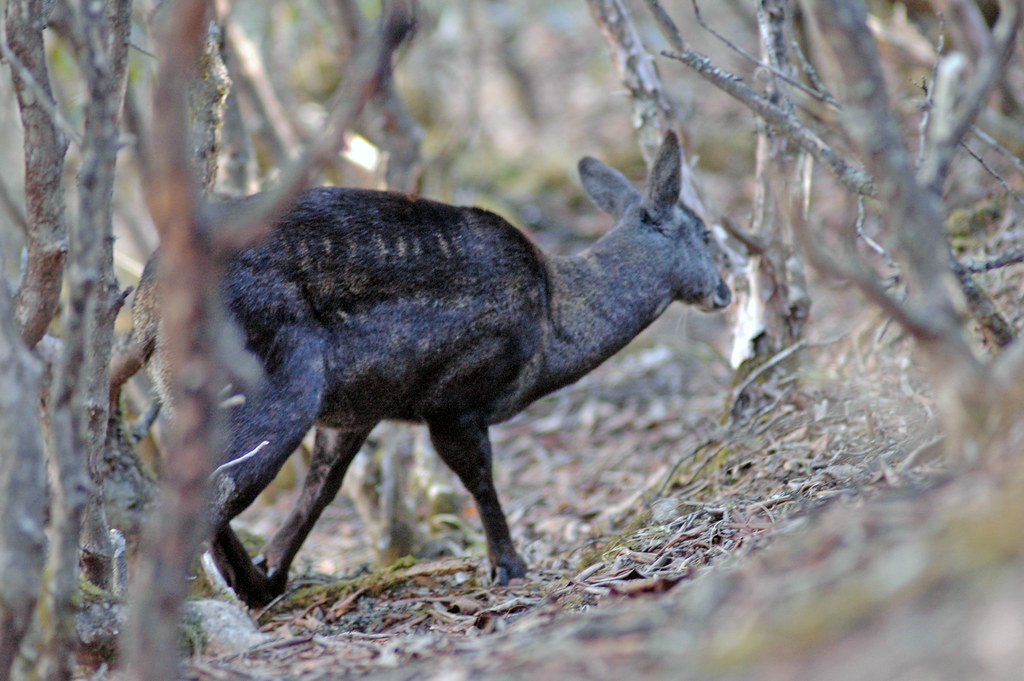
(816, 535)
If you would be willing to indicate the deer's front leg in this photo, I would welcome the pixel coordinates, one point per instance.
(463, 444)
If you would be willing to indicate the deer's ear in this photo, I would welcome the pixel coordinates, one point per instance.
(609, 188)
(662, 190)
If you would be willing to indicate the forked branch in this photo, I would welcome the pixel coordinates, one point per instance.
(854, 179)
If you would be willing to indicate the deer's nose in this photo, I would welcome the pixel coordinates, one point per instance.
(722, 295)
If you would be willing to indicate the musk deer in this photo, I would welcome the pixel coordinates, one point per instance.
(365, 305)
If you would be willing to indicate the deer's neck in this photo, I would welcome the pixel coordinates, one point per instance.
(599, 301)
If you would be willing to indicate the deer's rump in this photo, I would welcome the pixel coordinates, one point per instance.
(420, 306)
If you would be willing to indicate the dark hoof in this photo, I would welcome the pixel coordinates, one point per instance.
(277, 580)
(259, 587)
(507, 570)
(501, 576)
(258, 596)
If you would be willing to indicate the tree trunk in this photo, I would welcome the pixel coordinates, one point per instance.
(772, 303)
(79, 399)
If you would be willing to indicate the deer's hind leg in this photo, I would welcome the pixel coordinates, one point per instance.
(264, 431)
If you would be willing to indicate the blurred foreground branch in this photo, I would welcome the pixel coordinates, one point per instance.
(977, 419)
(196, 240)
(22, 486)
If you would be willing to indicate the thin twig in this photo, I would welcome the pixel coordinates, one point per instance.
(776, 359)
(812, 75)
(693, 453)
(852, 178)
(874, 245)
(922, 127)
(863, 277)
(991, 141)
(145, 421)
(991, 171)
(1003, 260)
(667, 27)
(754, 244)
(771, 68)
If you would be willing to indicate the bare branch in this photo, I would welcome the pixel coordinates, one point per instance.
(667, 27)
(1011, 257)
(853, 179)
(967, 25)
(79, 400)
(366, 73)
(45, 146)
(239, 177)
(754, 244)
(994, 326)
(188, 304)
(820, 95)
(1013, 193)
(398, 132)
(207, 105)
(1014, 160)
(949, 129)
(929, 89)
(850, 269)
(38, 87)
(194, 243)
(915, 214)
(812, 74)
(652, 112)
(253, 83)
(866, 238)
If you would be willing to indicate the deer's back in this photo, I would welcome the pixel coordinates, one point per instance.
(424, 306)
